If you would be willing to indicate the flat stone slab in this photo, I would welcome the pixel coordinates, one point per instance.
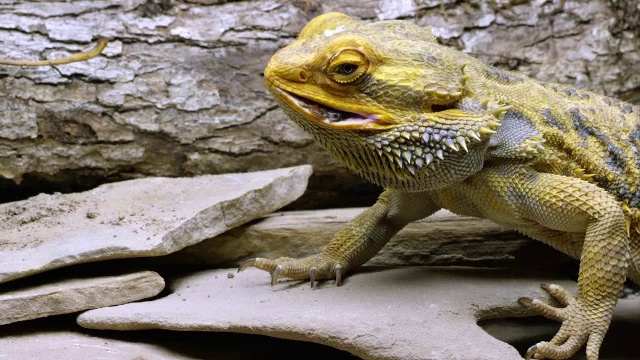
(77, 294)
(403, 313)
(441, 239)
(73, 346)
(142, 217)
(62, 339)
(59, 340)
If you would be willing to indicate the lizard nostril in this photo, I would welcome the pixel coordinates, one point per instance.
(303, 75)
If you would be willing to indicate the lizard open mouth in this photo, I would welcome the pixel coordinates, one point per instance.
(326, 114)
(331, 115)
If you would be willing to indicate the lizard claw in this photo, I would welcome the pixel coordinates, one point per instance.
(530, 352)
(275, 274)
(246, 264)
(338, 275)
(312, 276)
(254, 263)
(526, 301)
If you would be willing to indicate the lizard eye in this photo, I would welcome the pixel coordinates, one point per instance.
(346, 69)
(347, 66)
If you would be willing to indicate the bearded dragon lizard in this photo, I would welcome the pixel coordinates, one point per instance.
(440, 129)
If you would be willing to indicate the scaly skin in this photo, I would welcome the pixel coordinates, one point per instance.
(439, 129)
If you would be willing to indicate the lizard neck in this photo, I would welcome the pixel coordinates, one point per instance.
(415, 156)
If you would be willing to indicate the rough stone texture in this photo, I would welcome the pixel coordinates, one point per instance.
(405, 313)
(178, 91)
(442, 239)
(60, 338)
(67, 345)
(32, 301)
(144, 217)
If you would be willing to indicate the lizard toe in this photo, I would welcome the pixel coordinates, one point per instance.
(315, 267)
(562, 336)
(593, 345)
(580, 325)
(563, 296)
(544, 309)
(547, 350)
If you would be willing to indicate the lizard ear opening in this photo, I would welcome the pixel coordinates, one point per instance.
(347, 66)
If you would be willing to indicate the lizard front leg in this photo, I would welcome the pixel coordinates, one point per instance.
(572, 205)
(356, 243)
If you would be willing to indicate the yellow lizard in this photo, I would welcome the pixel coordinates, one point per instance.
(440, 129)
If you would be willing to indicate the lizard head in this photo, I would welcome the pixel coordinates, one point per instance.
(380, 97)
(366, 76)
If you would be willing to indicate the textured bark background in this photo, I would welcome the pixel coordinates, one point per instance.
(179, 90)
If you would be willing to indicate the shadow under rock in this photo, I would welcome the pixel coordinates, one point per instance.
(186, 344)
(522, 333)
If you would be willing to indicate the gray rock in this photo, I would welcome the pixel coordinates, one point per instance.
(76, 294)
(441, 239)
(144, 217)
(68, 345)
(404, 313)
(60, 338)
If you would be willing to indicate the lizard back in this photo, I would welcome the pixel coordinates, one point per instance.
(587, 135)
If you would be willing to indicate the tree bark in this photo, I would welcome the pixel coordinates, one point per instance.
(178, 91)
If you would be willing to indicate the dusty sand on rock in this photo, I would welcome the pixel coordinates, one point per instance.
(135, 218)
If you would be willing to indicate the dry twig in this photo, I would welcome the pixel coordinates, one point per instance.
(81, 56)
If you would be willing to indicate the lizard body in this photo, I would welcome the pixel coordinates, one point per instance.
(439, 129)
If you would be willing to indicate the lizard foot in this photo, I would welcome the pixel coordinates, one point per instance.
(579, 326)
(315, 267)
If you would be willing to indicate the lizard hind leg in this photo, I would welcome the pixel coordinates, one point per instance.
(571, 205)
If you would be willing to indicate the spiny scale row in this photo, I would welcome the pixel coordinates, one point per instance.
(415, 146)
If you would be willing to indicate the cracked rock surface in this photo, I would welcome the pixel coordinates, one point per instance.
(403, 313)
(136, 218)
(178, 90)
